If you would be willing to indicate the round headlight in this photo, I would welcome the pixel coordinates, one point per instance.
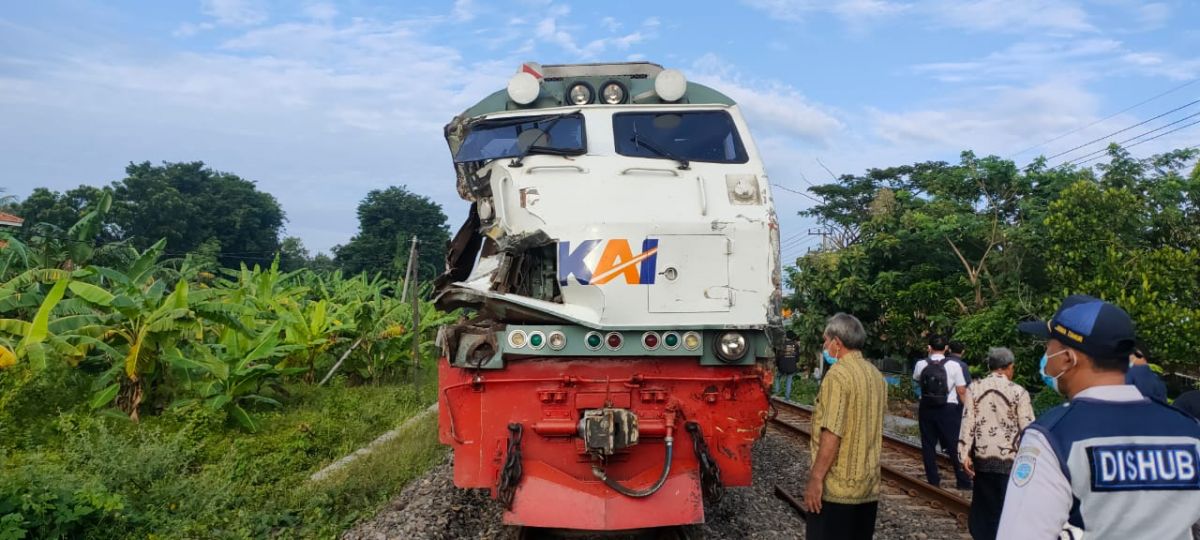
(731, 347)
(523, 88)
(517, 339)
(612, 93)
(580, 94)
(670, 84)
(558, 340)
(691, 341)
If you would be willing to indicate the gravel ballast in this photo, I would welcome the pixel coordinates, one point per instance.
(432, 508)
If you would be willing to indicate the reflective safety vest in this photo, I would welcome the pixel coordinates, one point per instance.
(1134, 467)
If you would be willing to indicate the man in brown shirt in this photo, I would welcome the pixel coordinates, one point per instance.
(994, 414)
(842, 496)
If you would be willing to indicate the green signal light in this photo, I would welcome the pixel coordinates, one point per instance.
(671, 340)
(593, 340)
(535, 340)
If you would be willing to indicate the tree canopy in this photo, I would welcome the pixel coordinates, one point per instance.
(971, 248)
(188, 204)
(387, 220)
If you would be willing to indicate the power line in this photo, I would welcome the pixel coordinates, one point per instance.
(1150, 139)
(1135, 137)
(1122, 111)
(1118, 132)
(798, 192)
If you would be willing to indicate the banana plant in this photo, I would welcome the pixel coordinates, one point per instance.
(237, 369)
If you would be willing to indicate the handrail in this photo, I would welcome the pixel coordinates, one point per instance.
(671, 172)
(576, 168)
(703, 196)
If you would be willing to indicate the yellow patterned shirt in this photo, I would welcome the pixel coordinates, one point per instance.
(851, 405)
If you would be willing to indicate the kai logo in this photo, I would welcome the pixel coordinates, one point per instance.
(596, 262)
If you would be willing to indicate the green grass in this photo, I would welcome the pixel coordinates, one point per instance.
(189, 473)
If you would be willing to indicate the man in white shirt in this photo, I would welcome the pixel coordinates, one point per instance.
(1110, 464)
(943, 386)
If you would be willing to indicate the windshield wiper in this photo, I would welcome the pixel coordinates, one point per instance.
(519, 159)
(639, 141)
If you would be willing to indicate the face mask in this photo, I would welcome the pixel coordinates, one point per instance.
(829, 358)
(1052, 382)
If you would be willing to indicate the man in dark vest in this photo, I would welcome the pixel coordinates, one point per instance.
(1110, 464)
(785, 364)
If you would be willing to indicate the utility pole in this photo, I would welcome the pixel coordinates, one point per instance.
(823, 232)
(410, 277)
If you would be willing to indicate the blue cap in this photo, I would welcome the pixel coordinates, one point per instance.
(1088, 324)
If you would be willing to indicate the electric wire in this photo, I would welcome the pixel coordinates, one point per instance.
(1109, 117)
(1088, 156)
(1185, 126)
(1120, 131)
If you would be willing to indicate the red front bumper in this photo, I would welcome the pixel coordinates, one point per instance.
(547, 397)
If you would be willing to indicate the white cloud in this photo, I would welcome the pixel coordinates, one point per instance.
(464, 10)
(771, 107)
(1153, 15)
(320, 11)
(850, 10)
(1012, 16)
(235, 12)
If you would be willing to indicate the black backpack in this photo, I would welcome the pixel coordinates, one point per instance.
(935, 387)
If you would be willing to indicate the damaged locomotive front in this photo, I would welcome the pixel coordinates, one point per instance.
(620, 262)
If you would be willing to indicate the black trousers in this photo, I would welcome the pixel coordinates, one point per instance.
(940, 424)
(842, 521)
(987, 500)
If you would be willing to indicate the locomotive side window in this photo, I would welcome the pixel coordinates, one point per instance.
(560, 134)
(690, 136)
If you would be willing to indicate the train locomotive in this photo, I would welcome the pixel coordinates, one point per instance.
(620, 265)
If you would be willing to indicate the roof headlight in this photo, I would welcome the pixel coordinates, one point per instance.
(580, 94)
(731, 347)
(523, 88)
(612, 93)
(670, 85)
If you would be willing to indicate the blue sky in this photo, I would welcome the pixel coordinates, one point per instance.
(321, 102)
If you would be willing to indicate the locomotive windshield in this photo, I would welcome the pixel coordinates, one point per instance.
(513, 137)
(687, 136)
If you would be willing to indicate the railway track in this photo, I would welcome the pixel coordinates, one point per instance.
(900, 461)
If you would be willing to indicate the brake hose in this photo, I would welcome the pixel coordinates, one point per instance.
(662, 479)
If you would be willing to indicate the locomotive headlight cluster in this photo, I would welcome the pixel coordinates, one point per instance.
(580, 94)
(612, 93)
(731, 347)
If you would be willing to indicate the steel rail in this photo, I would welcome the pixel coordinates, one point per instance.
(937, 497)
(891, 441)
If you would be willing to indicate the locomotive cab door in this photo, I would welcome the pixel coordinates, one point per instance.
(692, 274)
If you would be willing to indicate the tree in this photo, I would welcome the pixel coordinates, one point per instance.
(292, 254)
(387, 220)
(186, 203)
(972, 248)
(189, 204)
